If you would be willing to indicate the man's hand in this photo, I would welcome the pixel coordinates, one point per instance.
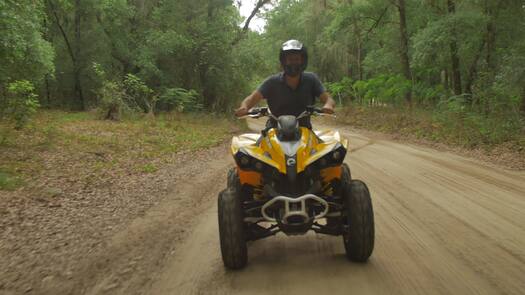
(249, 102)
(242, 111)
(329, 103)
(328, 109)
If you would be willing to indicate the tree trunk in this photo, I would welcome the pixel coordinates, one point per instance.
(405, 62)
(203, 65)
(46, 77)
(491, 39)
(73, 54)
(523, 100)
(48, 91)
(472, 72)
(445, 80)
(358, 53)
(76, 62)
(258, 5)
(456, 72)
(359, 63)
(492, 10)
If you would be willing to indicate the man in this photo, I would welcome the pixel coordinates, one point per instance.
(290, 92)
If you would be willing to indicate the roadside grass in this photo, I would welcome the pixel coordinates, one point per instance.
(9, 181)
(463, 129)
(57, 139)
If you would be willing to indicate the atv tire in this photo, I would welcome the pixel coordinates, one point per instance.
(358, 235)
(346, 175)
(231, 225)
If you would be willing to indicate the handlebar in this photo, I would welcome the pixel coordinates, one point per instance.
(314, 110)
(265, 112)
(258, 111)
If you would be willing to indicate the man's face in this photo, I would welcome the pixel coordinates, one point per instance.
(293, 59)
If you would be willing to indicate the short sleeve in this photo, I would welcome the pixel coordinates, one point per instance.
(318, 87)
(265, 87)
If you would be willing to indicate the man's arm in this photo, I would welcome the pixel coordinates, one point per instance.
(329, 102)
(324, 96)
(249, 102)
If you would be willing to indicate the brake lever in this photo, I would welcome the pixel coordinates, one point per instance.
(327, 115)
(256, 116)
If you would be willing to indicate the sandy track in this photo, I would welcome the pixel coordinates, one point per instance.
(129, 260)
(444, 225)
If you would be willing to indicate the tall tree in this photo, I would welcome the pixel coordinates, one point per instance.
(454, 55)
(60, 17)
(403, 50)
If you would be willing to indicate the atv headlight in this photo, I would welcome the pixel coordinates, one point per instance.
(336, 155)
(249, 163)
(333, 158)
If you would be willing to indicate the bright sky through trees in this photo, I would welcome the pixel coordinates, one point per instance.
(257, 23)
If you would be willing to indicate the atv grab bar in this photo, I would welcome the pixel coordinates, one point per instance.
(288, 212)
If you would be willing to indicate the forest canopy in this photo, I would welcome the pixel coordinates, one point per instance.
(146, 56)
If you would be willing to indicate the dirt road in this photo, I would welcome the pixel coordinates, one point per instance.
(444, 225)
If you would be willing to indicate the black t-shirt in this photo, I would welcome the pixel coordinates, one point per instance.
(283, 100)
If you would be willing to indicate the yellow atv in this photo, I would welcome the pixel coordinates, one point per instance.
(292, 179)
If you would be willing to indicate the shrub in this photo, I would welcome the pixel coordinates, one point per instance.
(21, 103)
(383, 89)
(138, 94)
(182, 100)
(131, 95)
(342, 89)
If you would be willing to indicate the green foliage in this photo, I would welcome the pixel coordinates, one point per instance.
(356, 45)
(191, 54)
(112, 100)
(382, 89)
(182, 100)
(382, 60)
(129, 95)
(427, 95)
(170, 44)
(450, 123)
(464, 126)
(111, 96)
(137, 94)
(509, 84)
(21, 103)
(133, 95)
(24, 52)
(342, 89)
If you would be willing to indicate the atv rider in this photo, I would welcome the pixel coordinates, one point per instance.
(291, 91)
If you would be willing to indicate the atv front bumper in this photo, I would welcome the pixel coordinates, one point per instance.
(295, 216)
